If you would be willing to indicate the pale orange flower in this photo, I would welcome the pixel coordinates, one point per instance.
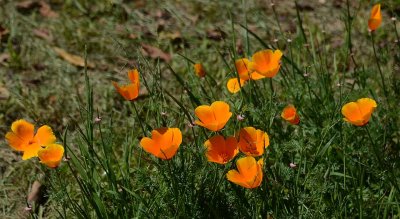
(249, 173)
(289, 114)
(130, 91)
(220, 150)
(164, 142)
(358, 113)
(266, 62)
(51, 155)
(23, 138)
(199, 70)
(233, 85)
(375, 19)
(252, 142)
(213, 117)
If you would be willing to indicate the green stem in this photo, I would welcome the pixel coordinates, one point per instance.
(379, 67)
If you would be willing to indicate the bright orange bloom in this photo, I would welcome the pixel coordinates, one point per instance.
(213, 117)
(22, 138)
(51, 155)
(358, 113)
(243, 67)
(266, 62)
(289, 114)
(220, 150)
(164, 142)
(252, 142)
(250, 172)
(233, 85)
(199, 70)
(130, 91)
(375, 19)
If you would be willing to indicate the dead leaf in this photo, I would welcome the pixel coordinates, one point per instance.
(73, 59)
(155, 52)
(43, 33)
(4, 57)
(33, 195)
(45, 10)
(4, 93)
(26, 5)
(216, 34)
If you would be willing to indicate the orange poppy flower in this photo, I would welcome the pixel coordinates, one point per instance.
(233, 85)
(220, 150)
(213, 117)
(130, 91)
(243, 67)
(199, 70)
(250, 172)
(289, 114)
(375, 19)
(164, 142)
(51, 155)
(358, 113)
(267, 62)
(22, 138)
(253, 141)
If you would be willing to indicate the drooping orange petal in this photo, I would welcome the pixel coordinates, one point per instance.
(256, 76)
(243, 68)
(44, 136)
(51, 155)
(375, 19)
(199, 70)
(21, 135)
(234, 86)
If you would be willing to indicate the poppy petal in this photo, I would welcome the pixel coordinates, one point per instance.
(234, 86)
(44, 136)
(22, 133)
(31, 151)
(51, 155)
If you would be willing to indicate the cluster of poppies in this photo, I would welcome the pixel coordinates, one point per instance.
(43, 144)
(165, 141)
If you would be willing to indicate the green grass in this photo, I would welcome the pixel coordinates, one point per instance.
(342, 171)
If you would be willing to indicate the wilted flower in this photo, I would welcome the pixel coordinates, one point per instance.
(199, 70)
